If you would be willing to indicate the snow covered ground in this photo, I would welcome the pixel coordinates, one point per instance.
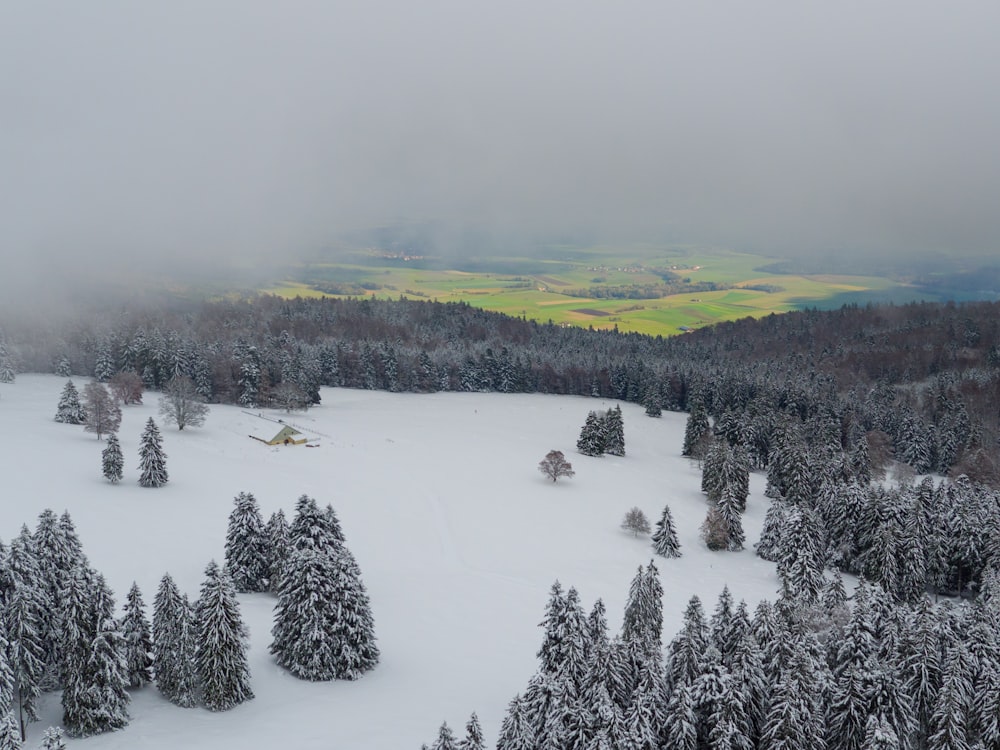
(458, 536)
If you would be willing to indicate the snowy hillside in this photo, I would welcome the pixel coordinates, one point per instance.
(458, 536)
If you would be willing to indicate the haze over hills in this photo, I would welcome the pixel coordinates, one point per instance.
(248, 134)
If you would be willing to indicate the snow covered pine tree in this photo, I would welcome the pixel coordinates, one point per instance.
(152, 459)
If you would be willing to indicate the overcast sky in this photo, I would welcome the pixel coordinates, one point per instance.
(208, 130)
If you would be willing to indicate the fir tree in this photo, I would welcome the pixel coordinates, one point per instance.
(10, 735)
(278, 547)
(800, 555)
(680, 723)
(445, 739)
(152, 459)
(173, 644)
(653, 402)
(305, 617)
(614, 432)
(643, 621)
(52, 739)
(592, 439)
(950, 720)
(313, 528)
(136, 634)
(96, 700)
(516, 732)
(25, 613)
(697, 432)
(686, 649)
(246, 545)
(112, 461)
(665, 537)
(731, 515)
(770, 535)
(221, 654)
(473, 735)
(70, 410)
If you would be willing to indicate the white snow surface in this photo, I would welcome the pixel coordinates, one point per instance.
(458, 535)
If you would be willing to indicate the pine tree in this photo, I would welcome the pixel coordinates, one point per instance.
(473, 735)
(770, 535)
(152, 459)
(731, 515)
(355, 625)
(112, 460)
(70, 410)
(643, 620)
(445, 739)
(614, 432)
(686, 649)
(680, 723)
(305, 617)
(25, 613)
(653, 402)
(52, 739)
(697, 432)
(7, 362)
(173, 644)
(278, 547)
(800, 555)
(221, 654)
(96, 700)
(246, 550)
(313, 528)
(136, 633)
(950, 721)
(516, 732)
(665, 537)
(10, 735)
(592, 438)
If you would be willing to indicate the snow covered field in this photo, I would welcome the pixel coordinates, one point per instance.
(458, 536)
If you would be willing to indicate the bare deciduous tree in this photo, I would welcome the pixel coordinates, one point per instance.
(126, 388)
(103, 414)
(181, 404)
(289, 397)
(555, 465)
(636, 522)
(715, 530)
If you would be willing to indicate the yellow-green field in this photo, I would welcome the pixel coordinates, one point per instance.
(539, 292)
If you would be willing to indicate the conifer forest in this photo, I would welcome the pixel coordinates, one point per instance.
(875, 427)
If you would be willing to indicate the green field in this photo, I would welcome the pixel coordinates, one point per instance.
(536, 287)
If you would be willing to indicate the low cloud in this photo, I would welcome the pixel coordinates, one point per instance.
(229, 134)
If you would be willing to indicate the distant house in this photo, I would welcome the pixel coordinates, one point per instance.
(286, 436)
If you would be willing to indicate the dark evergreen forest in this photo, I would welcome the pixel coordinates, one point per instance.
(920, 381)
(823, 402)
